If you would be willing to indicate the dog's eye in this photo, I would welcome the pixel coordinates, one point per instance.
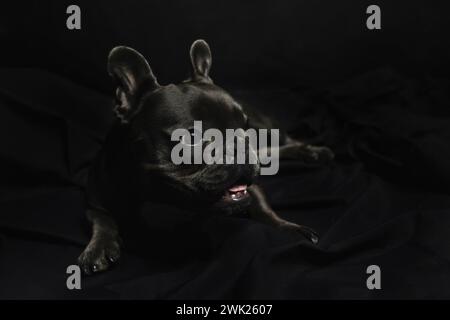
(247, 122)
(194, 138)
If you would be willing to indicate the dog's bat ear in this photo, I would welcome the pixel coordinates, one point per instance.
(130, 69)
(132, 73)
(201, 61)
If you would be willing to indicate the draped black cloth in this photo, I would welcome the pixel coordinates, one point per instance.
(385, 200)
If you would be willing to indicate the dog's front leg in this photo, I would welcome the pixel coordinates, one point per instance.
(260, 210)
(297, 150)
(104, 247)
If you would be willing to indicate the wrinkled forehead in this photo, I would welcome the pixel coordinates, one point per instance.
(176, 106)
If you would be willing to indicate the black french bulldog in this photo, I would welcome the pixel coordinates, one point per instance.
(135, 161)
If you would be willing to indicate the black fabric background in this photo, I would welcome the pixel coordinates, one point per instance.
(380, 99)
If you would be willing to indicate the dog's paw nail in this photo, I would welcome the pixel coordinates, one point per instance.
(314, 239)
(306, 232)
(310, 234)
(87, 270)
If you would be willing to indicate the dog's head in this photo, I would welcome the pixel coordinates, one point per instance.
(153, 112)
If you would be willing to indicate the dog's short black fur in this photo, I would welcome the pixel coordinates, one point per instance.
(135, 162)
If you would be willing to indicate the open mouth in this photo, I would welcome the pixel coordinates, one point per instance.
(236, 193)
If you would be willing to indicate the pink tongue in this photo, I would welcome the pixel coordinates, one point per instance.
(238, 188)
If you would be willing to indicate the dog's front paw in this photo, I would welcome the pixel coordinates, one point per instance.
(99, 255)
(308, 233)
(308, 154)
(320, 154)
